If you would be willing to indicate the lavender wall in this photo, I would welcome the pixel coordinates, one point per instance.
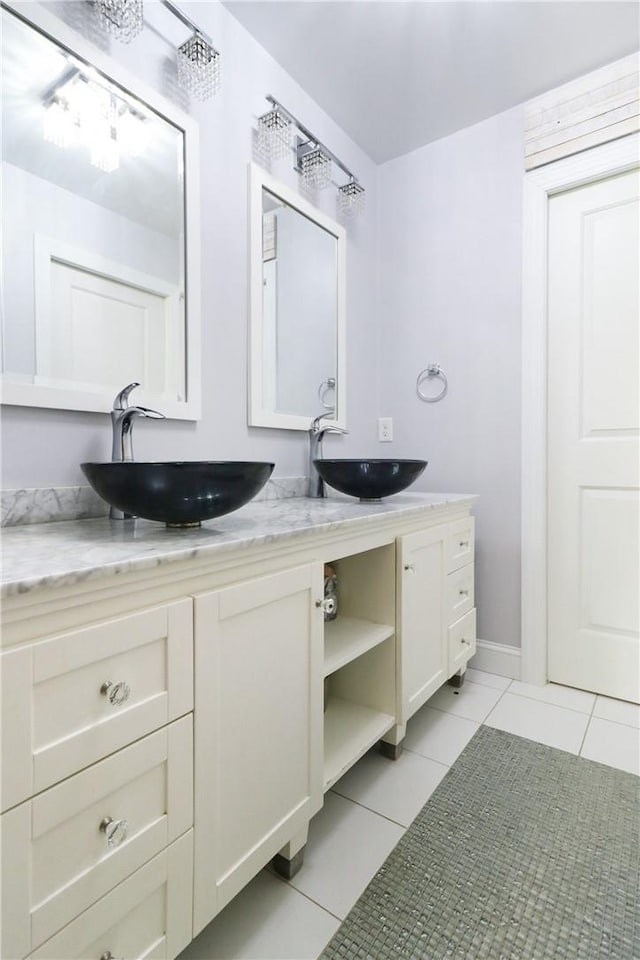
(434, 272)
(43, 448)
(450, 249)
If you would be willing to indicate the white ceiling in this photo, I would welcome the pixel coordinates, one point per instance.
(396, 75)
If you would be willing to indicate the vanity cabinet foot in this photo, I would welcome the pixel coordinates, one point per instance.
(288, 868)
(290, 858)
(457, 679)
(392, 751)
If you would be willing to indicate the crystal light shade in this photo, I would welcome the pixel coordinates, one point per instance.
(123, 19)
(83, 112)
(351, 199)
(275, 134)
(105, 153)
(198, 67)
(59, 125)
(315, 167)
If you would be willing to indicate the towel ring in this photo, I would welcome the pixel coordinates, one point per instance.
(433, 371)
(323, 389)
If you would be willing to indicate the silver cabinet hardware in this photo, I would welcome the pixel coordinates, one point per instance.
(328, 605)
(463, 543)
(117, 693)
(410, 568)
(464, 593)
(114, 830)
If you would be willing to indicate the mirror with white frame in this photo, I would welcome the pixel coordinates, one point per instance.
(297, 331)
(100, 212)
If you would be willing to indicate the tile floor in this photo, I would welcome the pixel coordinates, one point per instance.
(367, 811)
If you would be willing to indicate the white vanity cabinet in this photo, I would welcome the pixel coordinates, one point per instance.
(460, 592)
(169, 727)
(422, 617)
(97, 771)
(258, 727)
(78, 696)
(436, 614)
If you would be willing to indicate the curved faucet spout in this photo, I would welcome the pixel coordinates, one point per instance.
(122, 417)
(123, 429)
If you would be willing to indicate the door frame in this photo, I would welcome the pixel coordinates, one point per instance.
(540, 185)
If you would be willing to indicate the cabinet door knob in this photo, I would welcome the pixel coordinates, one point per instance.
(107, 955)
(467, 642)
(464, 593)
(117, 693)
(463, 543)
(328, 605)
(410, 568)
(114, 830)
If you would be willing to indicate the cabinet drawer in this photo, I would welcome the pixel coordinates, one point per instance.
(462, 641)
(148, 915)
(460, 592)
(75, 698)
(56, 858)
(461, 543)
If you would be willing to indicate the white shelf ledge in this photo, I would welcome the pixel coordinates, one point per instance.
(349, 731)
(346, 638)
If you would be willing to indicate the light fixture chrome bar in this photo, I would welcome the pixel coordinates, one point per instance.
(50, 94)
(188, 22)
(305, 130)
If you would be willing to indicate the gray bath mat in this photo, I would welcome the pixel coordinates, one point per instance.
(523, 852)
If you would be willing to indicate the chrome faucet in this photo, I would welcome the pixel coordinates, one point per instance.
(122, 417)
(316, 436)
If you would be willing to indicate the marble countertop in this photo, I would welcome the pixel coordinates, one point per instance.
(68, 552)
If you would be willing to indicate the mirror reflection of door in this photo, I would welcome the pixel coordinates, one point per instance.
(300, 311)
(93, 227)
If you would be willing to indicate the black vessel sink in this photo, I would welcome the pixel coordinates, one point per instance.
(180, 494)
(370, 479)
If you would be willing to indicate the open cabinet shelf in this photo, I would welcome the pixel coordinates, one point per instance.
(346, 638)
(360, 659)
(349, 731)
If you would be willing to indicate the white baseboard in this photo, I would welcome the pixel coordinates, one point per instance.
(497, 658)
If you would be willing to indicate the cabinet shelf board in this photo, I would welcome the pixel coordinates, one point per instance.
(346, 638)
(349, 731)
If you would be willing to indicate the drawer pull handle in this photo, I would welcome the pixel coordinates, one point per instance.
(410, 568)
(114, 830)
(328, 605)
(117, 693)
(463, 543)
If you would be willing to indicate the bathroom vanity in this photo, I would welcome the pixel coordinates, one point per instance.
(174, 705)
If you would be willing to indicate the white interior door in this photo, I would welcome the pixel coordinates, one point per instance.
(593, 421)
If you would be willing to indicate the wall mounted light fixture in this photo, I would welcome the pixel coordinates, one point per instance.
(198, 59)
(313, 160)
(123, 19)
(83, 110)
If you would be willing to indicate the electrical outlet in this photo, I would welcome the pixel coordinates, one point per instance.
(385, 429)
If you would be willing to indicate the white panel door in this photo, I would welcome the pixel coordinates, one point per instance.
(593, 421)
(105, 330)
